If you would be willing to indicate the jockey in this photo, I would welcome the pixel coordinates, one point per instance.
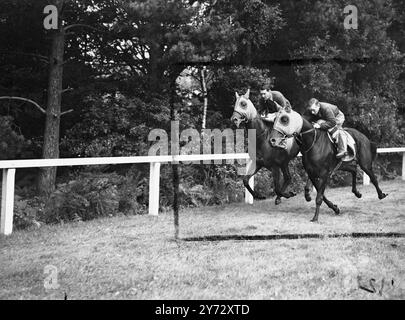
(328, 117)
(271, 102)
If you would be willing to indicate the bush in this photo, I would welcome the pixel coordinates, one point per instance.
(114, 126)
(26, 212)
(225, 185)
(91, 196)
(11, 142)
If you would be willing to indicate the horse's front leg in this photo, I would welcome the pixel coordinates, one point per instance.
(287, 180)
(354, 182)
(307, 190)
(276, 178)
(250, 172)
(331, 205)
(320, 185)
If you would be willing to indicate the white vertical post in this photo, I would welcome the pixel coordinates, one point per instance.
(403, 166)
(366, 179)
(248, 196)
(154, 181)
(7, 201)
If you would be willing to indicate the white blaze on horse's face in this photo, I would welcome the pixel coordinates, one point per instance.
(244, 109)
(287, 123)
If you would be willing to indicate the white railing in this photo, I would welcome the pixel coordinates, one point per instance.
(9, 167)
(366, 179)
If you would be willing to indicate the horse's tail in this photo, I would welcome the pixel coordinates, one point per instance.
(373, 147)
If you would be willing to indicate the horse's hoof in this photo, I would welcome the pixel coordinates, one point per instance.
(314, 220)
(292, 194)
(337, 210)
(358, 194)
(277, 201)
(382, 196)
(308, 198)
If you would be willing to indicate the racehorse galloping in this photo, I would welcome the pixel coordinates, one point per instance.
(266, 156)
(318, 154)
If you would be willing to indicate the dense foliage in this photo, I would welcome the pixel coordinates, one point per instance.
(123, 56)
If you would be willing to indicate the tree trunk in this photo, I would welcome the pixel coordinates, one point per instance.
(249, 53)
(154, 79)
(47, 176)
(204, 92)
(175, 166)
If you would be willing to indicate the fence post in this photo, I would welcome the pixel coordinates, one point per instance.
(403, 166)
(248, 196)
(366, 179)
(7, 201)
(154, 181)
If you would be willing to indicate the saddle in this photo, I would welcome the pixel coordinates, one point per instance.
(350, 143)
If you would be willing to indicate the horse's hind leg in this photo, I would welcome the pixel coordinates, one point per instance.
(353, 171)
(307, 190)
(369, 171)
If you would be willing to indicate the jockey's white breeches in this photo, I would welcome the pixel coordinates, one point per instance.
(340, 118)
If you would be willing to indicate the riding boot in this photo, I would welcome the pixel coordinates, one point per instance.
(341, 142)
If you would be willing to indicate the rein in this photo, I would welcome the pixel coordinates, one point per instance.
(313, 140)
(299, 141)
(265, 131)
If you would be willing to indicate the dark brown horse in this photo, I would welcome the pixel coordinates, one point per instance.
(318, 154)
(266, 156)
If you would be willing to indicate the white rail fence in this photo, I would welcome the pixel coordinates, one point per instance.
(9, 168)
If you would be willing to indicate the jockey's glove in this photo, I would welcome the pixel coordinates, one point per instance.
(317, 126)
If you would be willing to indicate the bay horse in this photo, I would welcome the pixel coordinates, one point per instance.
(318, 155)
(266, 155)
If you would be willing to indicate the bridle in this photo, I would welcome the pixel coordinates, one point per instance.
(241, 116)
(244, 120)
(299, 140)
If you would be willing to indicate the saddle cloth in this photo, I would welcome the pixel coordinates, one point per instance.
(351, 145)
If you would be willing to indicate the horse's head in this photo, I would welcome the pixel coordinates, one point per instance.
(244, 109)
(287, 124)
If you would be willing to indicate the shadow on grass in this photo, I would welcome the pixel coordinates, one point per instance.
(297, 236)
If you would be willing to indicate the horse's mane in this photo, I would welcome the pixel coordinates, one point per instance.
(266, 126)
(322, 135)
(264, 106)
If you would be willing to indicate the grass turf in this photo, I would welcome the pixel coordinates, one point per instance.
(136, 257)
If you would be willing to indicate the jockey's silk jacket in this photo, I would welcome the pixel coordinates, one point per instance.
(269, 107)
(327, 112)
